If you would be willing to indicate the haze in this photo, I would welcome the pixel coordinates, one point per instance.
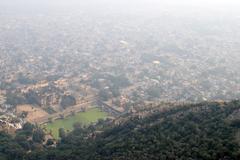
(119, 79)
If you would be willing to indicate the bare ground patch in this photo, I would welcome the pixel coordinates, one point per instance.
(34, 113)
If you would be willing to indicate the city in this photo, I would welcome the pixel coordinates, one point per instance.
(57, 64)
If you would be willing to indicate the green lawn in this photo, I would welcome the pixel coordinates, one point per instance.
(91, 115)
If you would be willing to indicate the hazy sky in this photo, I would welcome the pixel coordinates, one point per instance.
(207, 3)
(140, 7)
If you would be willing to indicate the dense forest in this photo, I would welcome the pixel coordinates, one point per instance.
(208, 130)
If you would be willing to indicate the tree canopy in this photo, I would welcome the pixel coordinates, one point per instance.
(196, 131)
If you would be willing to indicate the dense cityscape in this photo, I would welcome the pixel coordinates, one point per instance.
(55, 64)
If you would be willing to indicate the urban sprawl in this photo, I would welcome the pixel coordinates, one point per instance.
(52, 66)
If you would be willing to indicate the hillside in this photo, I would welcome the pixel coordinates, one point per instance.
(193, 131)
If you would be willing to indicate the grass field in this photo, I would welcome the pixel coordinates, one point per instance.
(91, 115)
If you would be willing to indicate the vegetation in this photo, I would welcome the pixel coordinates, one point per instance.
(33, 98)
(14, 99)
(16, 147)
(113, 89)
(49, 110)
(85, 118)
(25, 80)
(199, 131)
(67, 100)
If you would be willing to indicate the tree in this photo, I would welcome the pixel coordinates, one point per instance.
(104, 95)
(77, 125)
(50, 119)
(22, 140)
(38, 135)
(50, 142)
(14, 99)
(33, 98)
(61, 133)
(28, 127)
(24, 114)
(67, 100)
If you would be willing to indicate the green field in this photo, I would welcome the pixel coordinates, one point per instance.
(91, 115)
